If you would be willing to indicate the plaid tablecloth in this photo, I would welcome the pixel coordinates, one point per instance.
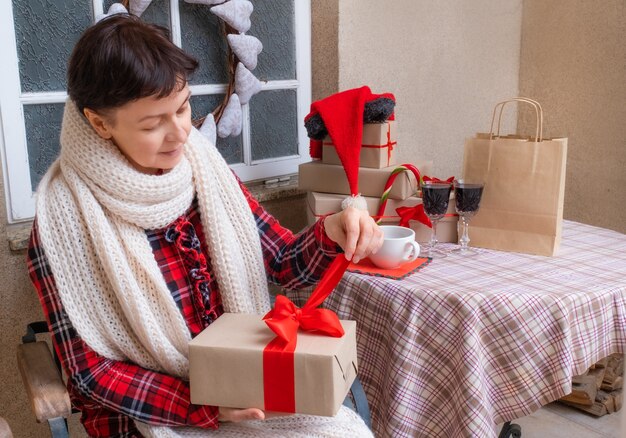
(467, 343)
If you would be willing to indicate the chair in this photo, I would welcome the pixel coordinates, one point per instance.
(41, 375)
(510, 430)
(50, 402)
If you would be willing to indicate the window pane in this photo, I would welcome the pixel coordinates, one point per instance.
(43, 127)
(273, 22)
(158, 12)
(46, 33)
(231, 148)
(274, 124)
(202, 36)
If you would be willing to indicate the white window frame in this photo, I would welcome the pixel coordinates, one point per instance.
(20, 199)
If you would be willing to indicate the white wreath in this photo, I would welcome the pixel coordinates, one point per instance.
(246, 48)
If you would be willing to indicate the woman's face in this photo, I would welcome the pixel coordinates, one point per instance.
(149, 131)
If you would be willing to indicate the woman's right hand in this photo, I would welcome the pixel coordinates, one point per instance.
(235, 415)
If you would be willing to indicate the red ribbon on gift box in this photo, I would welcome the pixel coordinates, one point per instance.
(285, 319)
(415, 213)
(390, 144)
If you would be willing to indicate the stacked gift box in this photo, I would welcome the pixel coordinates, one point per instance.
(327, 185)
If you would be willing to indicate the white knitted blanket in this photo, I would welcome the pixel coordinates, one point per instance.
(93, 208)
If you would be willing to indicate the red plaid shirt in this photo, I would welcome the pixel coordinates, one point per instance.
(111, 394)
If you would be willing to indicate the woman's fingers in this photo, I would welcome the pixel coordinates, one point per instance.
(370, 237)
(355, 231)
(366, 233)
(352, 228)
(236, 415)
(377, 240)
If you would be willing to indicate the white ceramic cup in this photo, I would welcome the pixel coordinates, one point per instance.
(399, 247)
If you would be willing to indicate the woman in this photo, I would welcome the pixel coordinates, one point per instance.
(143, 237)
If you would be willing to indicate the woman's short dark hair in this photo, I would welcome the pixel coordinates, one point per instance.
(121, 59)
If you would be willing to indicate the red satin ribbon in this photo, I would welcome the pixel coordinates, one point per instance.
(437, 180)
(284, 320)
(416, 213)
(371, 146)
(389, 143)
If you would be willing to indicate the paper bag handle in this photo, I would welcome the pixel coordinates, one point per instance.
(538, 112)
(538, 115)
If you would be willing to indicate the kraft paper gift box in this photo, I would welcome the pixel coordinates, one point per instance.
(320, 204)
(316, 176)
(377, 146)
(226, 365)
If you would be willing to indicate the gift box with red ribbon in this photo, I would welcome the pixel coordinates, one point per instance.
(226, 367)
(316, 176)
(377, 146)
(321, 204)
(292, 360)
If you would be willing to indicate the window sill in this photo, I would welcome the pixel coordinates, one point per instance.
(19, 234)
(279, 190)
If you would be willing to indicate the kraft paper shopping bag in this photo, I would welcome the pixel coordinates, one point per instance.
(522, 205)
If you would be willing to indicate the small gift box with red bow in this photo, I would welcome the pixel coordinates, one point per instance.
(377, 146)
(295, 360)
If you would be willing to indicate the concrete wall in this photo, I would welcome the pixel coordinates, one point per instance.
(446, 62)
(573, 61)
(324, 48)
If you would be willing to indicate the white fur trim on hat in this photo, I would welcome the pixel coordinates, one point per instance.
(356, 201)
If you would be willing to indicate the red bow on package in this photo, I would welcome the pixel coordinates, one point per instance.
(437, 180)
(416, 213)
(285, 319)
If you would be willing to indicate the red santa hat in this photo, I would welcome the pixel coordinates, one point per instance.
(342, 114)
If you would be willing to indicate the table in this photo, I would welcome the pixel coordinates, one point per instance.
(467, 343)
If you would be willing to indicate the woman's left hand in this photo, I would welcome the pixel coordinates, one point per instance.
(355, 232)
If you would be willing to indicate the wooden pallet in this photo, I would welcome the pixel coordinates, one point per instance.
(599, 390)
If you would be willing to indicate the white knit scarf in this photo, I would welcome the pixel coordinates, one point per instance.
(93, 208)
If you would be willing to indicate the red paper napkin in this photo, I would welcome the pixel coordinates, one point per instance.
(365, 266)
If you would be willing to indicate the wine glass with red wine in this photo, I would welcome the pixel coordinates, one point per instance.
(435, 197)
(467, 195)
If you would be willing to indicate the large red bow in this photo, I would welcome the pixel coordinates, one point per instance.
(416, 213)
(285, 318)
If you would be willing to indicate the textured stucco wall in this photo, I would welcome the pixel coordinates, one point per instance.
(324, 49)
(573, 61)
(447, 63)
